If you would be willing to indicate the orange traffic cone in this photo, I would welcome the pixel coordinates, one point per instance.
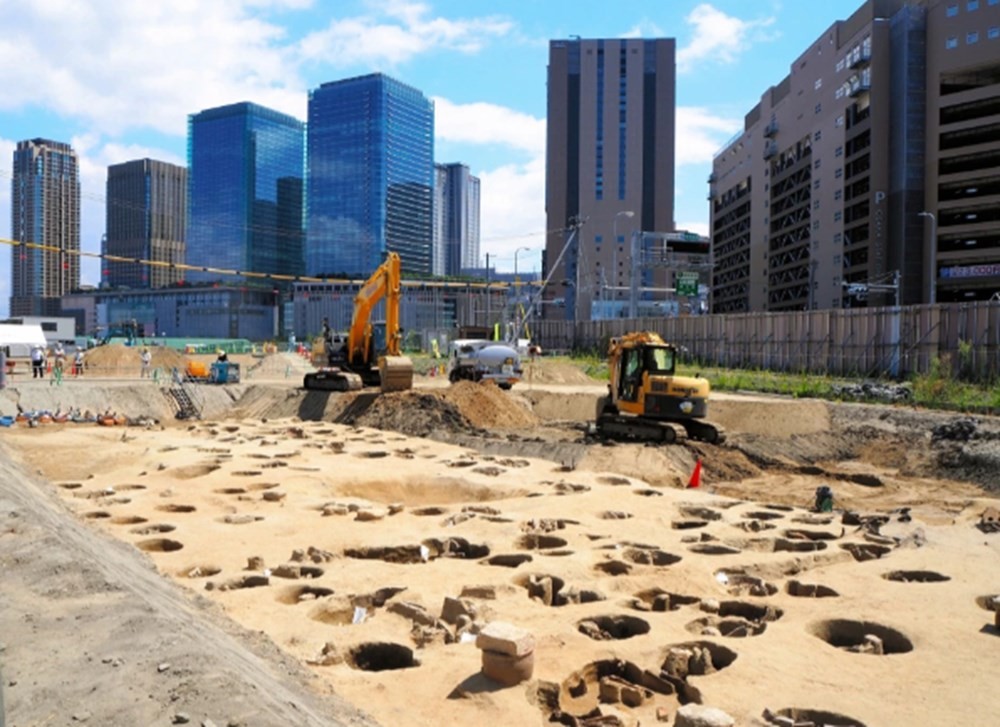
(695, 480)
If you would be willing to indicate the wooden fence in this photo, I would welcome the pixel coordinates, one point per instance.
(889, 342)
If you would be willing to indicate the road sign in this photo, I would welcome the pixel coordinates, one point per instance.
(686, 284)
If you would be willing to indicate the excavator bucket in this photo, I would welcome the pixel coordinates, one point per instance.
(396, 373)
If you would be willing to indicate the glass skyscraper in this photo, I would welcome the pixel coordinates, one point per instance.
(370, 176)
(245, 192)
(45, 209)
(456, 219)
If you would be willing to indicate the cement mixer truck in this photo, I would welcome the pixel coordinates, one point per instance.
(482, 360)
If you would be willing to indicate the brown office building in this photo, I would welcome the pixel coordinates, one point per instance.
(45, 210)
(876, 159)
(146, 220)
(610, 163)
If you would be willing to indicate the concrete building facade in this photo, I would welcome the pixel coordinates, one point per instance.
(456, 219)
(147, 220)
(610, 163)
(852, 181)
(45, 209)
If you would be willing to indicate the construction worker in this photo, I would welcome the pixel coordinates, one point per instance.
(146, 358)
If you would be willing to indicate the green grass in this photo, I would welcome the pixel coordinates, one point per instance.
(937, 389)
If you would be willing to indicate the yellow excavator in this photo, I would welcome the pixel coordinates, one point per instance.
(353, 362)
(646, 400)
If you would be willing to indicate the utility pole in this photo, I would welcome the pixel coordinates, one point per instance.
(488, 289)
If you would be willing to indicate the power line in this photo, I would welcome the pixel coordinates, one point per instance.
(275, 277)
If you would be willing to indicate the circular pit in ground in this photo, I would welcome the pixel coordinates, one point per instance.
(381, 656)
(916, 576)
(159, 545)
(617, 627)
(854, 636)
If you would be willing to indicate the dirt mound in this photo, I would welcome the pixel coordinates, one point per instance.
(542, 371)
(462, 407)
(115, 359)
(487, 407)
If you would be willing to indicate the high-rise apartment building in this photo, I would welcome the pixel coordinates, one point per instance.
(146, 219)
(245, 192)
(874, 161)
(610, 162)
(45, 209)
(371, 176)
(456, 219)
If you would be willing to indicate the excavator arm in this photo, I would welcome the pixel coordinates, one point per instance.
(383, 283)
(392, 371)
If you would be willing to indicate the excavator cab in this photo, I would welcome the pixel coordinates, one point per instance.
(653, 360)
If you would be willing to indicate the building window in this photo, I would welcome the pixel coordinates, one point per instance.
(993, 33)
(816, 184)
(817, 136)
(838, 194)
(819, 107)
(818, 84)
(952, 10)
(950, 43)
(972, 5)
(839, 151)
(838, 172)
(816, 204)
(815, 224)
(840, 120)
(972, 37)
(816, 164)
(837, 237)
(837, 215)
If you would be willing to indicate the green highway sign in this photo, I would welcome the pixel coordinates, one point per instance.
(686, 284)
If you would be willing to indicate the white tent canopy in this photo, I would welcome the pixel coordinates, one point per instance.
(21, 338)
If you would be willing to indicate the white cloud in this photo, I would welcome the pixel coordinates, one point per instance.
(397, 32)
(119, 65)
(718, 37)
(484, 123)
(645, 28)
(700, 134)
(513, 213)
(701, 227)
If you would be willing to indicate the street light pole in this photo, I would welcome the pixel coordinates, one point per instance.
(614, 230)
(517, 295)
(932, 293)
(526, 249)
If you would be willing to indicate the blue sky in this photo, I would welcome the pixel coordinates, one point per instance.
(118, 78)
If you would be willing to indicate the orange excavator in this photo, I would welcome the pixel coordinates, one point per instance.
(356, 361)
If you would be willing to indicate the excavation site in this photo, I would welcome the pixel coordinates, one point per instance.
(460, 554)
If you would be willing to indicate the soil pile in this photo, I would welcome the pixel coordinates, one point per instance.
(487, 407)
(543, 371)
(460, 408)
(117, 360)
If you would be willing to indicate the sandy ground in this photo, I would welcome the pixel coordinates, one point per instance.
(297, 543)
